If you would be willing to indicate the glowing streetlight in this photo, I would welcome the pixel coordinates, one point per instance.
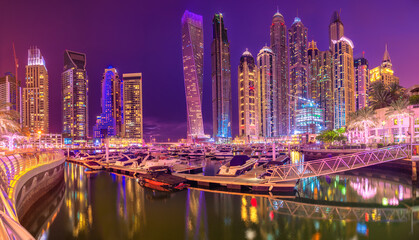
(384, 133)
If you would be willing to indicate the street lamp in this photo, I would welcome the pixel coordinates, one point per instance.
(39, 133)
(384, 133)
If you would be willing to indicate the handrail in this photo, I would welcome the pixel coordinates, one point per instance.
(12, 167)
(338, 164)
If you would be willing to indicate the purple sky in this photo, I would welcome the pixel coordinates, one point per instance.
(145, 36)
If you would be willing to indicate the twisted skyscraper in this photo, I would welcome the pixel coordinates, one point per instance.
(193, 62)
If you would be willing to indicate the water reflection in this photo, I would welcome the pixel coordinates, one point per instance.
(109, 206)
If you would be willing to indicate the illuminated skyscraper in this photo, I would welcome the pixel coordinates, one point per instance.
(268, 93)
(193, 62)
(248, 97)
(361, 82)
(280, 49)
(221, 81)
(320, 83)
(342, 71)
(75, 94)
(384, 72)
(133, 105)
(109, 123)
(297, 42)
(35, 94)
(8, 91)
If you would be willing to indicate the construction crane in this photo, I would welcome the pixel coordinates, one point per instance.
(17, 81)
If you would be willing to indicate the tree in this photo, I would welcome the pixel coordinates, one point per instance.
(414, 99)
(399, 110)
(382, 96)
(363, 119)
(9, 124)
(330, 136)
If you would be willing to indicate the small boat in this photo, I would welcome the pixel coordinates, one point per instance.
(128, 159)
(238, 165)
(93, 165)
(160, 178)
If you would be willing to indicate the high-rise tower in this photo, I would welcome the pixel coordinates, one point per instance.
(248, 97)
(8, 91)
(193, 62)
(361, 82)
(35, 94)
(343, 72)
(267, 91)
(109, 123)
(297, 42)
(384, 72)
(132, 92)
(221, 81)
(74, 95)
(279, 47)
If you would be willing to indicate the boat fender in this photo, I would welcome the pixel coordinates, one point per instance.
(271, 187)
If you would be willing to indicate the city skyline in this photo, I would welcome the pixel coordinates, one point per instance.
(172, 80)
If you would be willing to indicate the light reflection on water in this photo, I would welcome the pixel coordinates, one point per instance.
(109, 206)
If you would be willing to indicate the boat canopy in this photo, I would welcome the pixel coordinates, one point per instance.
(239, 160)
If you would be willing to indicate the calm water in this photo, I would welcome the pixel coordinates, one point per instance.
(109, 206)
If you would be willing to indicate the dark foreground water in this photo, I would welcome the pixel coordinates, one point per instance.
(109, 206)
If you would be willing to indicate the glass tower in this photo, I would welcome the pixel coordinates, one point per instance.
(132, 105)
(75, 93)
(193, 62)
(221, 81)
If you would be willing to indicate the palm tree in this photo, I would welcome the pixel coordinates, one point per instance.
(364, 119)
(398, 110)
(9, 125)
(396, 91)
(379, 96)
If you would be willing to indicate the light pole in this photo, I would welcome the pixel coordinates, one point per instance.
(384, 133)
(39, 133)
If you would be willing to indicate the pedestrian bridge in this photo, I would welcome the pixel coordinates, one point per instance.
(337, 164)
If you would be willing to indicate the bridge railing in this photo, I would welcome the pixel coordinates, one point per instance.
(338, 164)
(12, 167)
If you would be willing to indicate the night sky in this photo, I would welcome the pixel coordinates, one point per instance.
(145, 36)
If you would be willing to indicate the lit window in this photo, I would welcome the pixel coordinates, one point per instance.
(395, 121)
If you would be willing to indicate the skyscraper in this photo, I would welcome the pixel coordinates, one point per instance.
(248, 97)
(384, 72)
(361, 82)
(279, 47)
(325, 99)
(132, 105)
(221, 81)
(320, 83)
(343, 72)
(267, 91)
(35, 94)
(75, 94)
(193, 62)
(8, 91)
(109, 123)
(297, 42)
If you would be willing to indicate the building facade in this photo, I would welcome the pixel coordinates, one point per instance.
(221, 81)
(314, 74)
(309, 118)
(268, 93)
(298, 82)
(342, 72)
(361, 82)
(193, 72)
(278, 35)
(248, 97)
(8, 91)
(36, 94)
(132, 105)
(384, 72)
(74, 94)
(325, 99)
(109, 123)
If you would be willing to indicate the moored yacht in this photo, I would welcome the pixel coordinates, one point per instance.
(238, 165)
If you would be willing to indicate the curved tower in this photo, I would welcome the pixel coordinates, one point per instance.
(193, 62)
